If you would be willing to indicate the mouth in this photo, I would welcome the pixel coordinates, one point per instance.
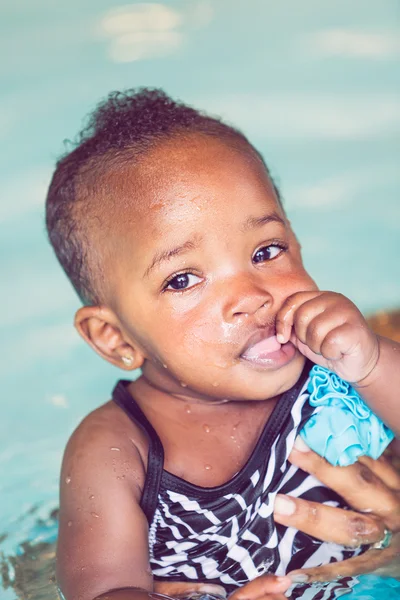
(263, 349)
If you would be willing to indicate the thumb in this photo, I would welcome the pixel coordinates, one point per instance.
(317, 359)
(261, 586)
(187, 589)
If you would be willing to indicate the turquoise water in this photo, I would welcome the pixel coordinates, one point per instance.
(314, 85)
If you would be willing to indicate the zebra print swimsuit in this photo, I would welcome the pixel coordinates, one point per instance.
(226, 534)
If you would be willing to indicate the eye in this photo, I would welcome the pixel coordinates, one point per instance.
(268, 252)
(182, 281)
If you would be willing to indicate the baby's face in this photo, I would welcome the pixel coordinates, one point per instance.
(202, 261)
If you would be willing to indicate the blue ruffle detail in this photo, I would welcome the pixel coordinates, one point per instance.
(342, 427)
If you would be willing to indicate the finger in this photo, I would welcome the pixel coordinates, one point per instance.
(383, 468)
(357, 485)
(340, 342)
(383, 561)
(392, 453)
(178, 589)
(261, 587)
(273, 597)
(336, 344)
(394, 448)
(307, 352)
(285, 316)
(314, 334)
(331, 319)
(327, 523)
(269, 597)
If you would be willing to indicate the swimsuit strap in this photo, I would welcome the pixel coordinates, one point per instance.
(155, 461)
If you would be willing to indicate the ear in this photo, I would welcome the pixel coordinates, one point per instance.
(99, 327)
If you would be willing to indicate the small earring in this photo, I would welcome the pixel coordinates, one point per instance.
(127, 360)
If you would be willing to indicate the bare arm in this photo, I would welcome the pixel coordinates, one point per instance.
(103, 535)
(126, 594)
(380, 389)
(328, 328)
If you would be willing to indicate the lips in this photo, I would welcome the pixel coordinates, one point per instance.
(262, 349)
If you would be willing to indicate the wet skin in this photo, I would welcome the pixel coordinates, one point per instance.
(213, 218)
(238, 262)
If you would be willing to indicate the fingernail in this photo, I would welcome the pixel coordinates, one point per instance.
(282, 583)
(300, 445)
(283, 579)
(216, 590)
(280, 338)
(298, 578)
(284, 506)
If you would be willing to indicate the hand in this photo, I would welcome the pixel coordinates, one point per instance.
(265, 587)
(366, 486)
(370, 487)
(329, 329)
(183, 589)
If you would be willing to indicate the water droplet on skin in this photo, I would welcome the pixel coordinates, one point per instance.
(69, 523)
(206, 428)
(116, 449)
(183, 384)
(188, 410)
(165, 366)
(68, 480)
(91, 497)
(208, 467)
(120, 476)
(215, 384)
(232, 437)
(95, 515)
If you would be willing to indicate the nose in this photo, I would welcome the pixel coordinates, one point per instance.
(246, 297)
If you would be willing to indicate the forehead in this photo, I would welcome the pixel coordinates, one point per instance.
(199, 188)
(183, 176)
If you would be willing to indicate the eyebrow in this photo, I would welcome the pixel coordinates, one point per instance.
(250, 223)
(254, 222)
(166, 255)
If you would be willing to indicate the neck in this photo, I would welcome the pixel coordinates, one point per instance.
(162, 388)
(166, 385)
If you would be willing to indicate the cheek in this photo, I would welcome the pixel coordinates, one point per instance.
(308, 283)
(304, 283)
(169, 332)
(197, 331)
(293, 282)
(200, 333)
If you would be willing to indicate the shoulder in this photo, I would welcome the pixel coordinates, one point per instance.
(103, 532)
(107, 443)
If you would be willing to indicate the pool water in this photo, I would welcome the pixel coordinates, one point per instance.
(29, 573)
(314, 85)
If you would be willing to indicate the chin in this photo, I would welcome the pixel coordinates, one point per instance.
(267, 383)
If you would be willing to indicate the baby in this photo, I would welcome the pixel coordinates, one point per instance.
(169, 226)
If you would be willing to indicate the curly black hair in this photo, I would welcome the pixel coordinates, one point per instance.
(122, 128)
